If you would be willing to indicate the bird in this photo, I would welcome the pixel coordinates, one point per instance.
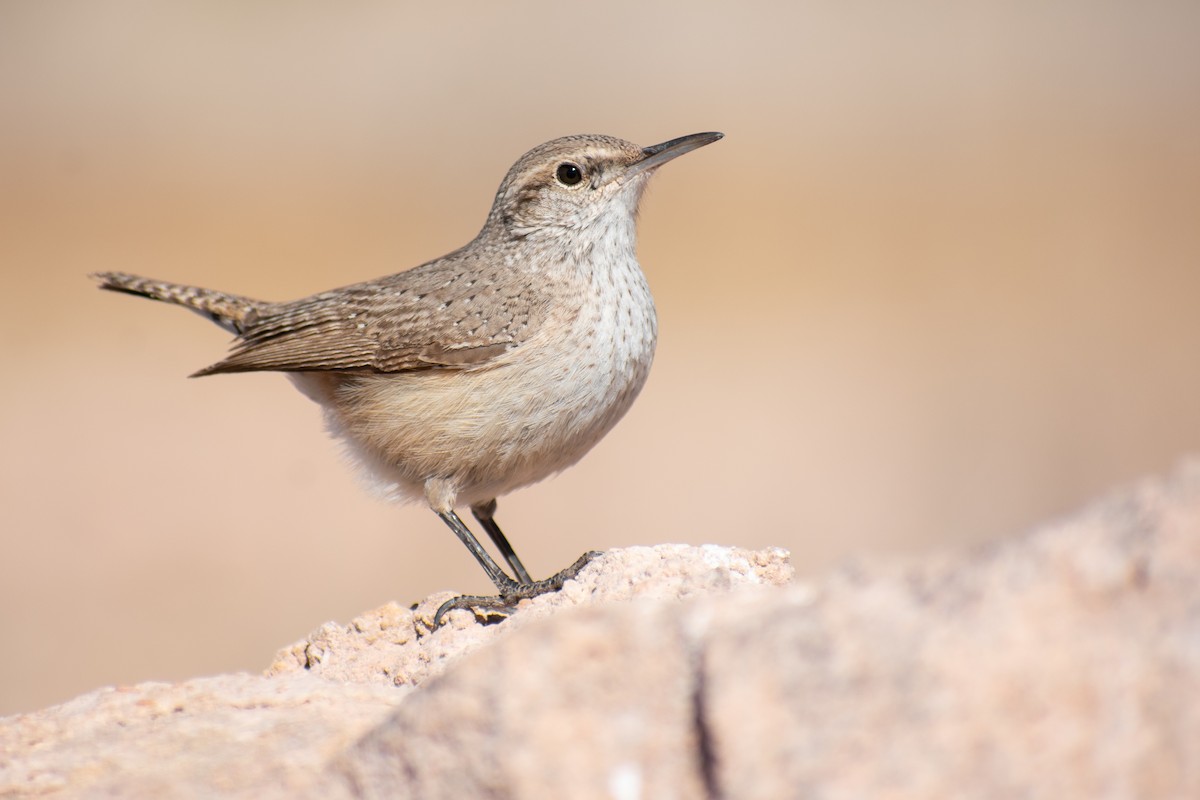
(493, 367)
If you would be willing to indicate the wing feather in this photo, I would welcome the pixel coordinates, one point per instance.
(446, 314)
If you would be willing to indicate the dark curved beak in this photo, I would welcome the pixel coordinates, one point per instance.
(658, 154)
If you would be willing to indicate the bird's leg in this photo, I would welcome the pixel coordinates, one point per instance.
(504, 584)
(485, 513)
(510, 591)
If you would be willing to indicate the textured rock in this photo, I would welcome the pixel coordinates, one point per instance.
(255, 736)
(606, 701)
(1064, 663)
(393, 646)
(232, 735)
(1061, 664)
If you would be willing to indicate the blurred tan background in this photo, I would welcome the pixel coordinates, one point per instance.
(941, 282)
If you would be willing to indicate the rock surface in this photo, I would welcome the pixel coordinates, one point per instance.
(392, 645)
(272, 736)
(1063, 663)
(231, 735)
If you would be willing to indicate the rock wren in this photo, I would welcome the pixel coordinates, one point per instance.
(485, 370)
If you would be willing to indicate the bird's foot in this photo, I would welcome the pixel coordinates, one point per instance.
(513, 592)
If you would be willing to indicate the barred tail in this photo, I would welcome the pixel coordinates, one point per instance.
(230, 311)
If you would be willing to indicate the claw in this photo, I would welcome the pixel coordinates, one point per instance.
(511, 595)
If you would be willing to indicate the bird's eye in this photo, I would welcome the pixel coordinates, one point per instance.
(568, 174)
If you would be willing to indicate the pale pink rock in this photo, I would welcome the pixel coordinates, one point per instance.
(1061, 664)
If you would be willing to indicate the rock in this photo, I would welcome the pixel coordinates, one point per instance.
(393, 646)
(1063, 663)
(231, 735)
(605, 706)
(256, 736)
(1060, 664)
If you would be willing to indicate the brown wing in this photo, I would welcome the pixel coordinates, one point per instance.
(450, 313)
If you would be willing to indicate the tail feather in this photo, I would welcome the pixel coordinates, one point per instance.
(230, 311)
